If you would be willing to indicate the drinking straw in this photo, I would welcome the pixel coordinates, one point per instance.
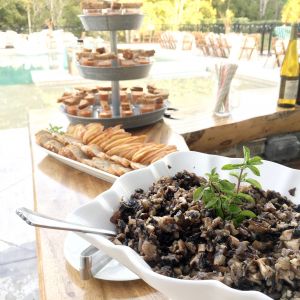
(225, 75)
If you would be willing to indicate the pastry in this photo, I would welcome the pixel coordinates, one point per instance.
(92, 90)
(83, 54)
(73, 152)
(126, 63)
(125, 106)
(146, 108)
(136, 97)
(87, 62)
(104, 63)
(92, 12)
(72, 101)
(100, 50)
(142, 60)
(86, 112)
(104, 88)
(126, 113)
(137, 89)
(103, 95)
(123, 96)
(115, 5)
(87, 50)
(132, 5)
(62, 99)
(105, 114)
(151, 88)
(90, 98)
(127, 53)
(66, 94)
(158, 106)
(72, 110)
(83, 104)
(88, 5)
(106, 56)
(147, 53)
(104, 105)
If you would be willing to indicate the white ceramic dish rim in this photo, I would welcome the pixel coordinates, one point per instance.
(199, 163)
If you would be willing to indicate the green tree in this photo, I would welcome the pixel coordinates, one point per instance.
(158, 13)
(176, 12)
(69, 18)
(196, 12)
(253, 10)
(13, 15)
(274, 9)
(291, 11)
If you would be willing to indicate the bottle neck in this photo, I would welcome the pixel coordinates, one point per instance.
(294, 32)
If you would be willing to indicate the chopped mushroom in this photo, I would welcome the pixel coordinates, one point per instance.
(180, 238)
(149, 250)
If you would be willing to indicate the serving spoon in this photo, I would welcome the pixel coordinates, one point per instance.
(39, 220)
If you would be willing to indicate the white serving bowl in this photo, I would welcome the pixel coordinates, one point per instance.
(98, 212)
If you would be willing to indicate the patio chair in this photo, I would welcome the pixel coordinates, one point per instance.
(224, 44)
(167, 41)
(200, 42)
(212, 45)
(188, 41)
(147, 37)
(156, 37)
(250, 43)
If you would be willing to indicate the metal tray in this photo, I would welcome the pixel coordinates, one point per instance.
(135, 121)
(114, 73)
(111, 22)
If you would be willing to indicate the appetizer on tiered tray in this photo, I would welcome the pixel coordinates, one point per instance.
(112, 150)
(96, 102)
(100, 57)
(94, 7)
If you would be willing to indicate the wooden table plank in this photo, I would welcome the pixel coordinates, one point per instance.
(226, 135)
(255, 118)
(58, 190)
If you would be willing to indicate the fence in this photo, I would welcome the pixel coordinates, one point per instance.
(266, 30)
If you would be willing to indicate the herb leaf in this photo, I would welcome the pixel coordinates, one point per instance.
(255, 160)
(232, 166)
(247, 213)
(245, 197)
(225, 197)
(55, 129)
(254, 170)
(246, 152)
(253, 182)
(198, 193)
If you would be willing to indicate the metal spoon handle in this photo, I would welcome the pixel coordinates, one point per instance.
(39, 220)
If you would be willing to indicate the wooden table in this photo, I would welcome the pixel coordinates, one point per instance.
(257, 116)
(58, 190)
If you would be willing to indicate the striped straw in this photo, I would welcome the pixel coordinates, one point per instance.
(225, 75)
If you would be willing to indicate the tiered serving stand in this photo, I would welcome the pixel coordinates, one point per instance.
(114, 23)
